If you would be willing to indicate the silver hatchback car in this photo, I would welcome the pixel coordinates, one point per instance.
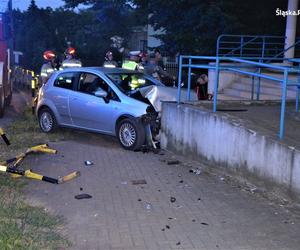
(104, 100)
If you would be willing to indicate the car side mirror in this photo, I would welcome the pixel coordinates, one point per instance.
(101, 93)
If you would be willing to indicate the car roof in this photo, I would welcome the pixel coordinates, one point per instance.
(103, 70)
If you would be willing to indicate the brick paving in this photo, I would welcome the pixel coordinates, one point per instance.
(208, 213)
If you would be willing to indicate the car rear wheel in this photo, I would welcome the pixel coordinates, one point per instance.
(47, 120)
(131, 134)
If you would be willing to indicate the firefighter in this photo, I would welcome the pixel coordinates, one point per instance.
(70, 60)
(109, 60)
(134, 62)
(49, 66)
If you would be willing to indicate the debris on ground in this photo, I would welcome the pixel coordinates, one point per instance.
(4, 137)
(139, 199)
(172, 199)
(204, 223)
(173, 162)
(80, 188)
(148, 206)
(82, 196)
(196, 171)
(181, 181)
(124, 182)
(178, 243)
(199, 199)
(168, 227)
(88, 163)
(193, 220)
(139, 182)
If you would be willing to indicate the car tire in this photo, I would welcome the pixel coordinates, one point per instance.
(131, 134)
(2, 103)
(47, 120)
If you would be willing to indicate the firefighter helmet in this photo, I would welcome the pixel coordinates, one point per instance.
(70, 51)
(49, 55)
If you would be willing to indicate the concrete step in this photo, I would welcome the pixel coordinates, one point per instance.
(264, 88)
(247, 94)
(226, 97)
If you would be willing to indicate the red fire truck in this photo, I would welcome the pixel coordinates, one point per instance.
(5, 62)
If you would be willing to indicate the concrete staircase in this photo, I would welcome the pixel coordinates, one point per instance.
(269, 90)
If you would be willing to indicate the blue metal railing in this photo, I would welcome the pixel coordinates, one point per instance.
(253, 46)
(187, 62)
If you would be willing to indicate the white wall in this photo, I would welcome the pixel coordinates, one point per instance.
(219, 140)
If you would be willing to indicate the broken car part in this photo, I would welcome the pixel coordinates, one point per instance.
(31, 175)
(3, 135)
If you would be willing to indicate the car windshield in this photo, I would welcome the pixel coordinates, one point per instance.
(130, 81)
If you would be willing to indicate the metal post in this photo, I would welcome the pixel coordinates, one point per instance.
(263, 48)
(189, 80)
(297, 99)
(216, 83)
(258, 83)
(252, 89)
(283, 99)
(242, 44)
(179, 80)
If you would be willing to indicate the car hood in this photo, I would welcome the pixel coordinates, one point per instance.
(158, 94)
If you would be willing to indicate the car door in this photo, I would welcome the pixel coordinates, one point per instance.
(91, 112)
(63, 86)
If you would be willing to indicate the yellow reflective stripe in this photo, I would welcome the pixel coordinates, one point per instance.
(32, 175)
(3, 168)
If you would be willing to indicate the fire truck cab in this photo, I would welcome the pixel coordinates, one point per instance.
(5, 70)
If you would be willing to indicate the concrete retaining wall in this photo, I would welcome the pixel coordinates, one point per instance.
(220, 140)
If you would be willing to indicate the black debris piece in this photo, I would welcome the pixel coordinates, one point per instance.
(170, 218)
(88, 163)
(191, 171)
(80, 188)
(172, 199)
(193, 220)
(173, 162)
(199, 199)
(139, 199)
(163, 229)
(139, 182)
(168, 227)
(204, 223)
(178, 243)
(159, 190)
(83, 196)
(181, 181)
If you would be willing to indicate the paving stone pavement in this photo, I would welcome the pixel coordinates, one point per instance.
(207, 214)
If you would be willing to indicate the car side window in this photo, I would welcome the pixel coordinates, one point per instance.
(66, 80)
(90, 83)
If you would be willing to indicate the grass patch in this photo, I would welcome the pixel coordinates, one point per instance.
(23, 226)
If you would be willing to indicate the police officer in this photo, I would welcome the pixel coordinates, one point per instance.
(134, 62)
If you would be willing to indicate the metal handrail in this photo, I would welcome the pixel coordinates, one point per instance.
(247, 45)
(218, 67)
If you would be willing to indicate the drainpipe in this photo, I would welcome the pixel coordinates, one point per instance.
(290, 31)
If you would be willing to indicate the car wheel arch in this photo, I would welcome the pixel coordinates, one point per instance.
(122, 117)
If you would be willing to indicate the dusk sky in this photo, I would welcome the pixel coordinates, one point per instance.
(23, 4)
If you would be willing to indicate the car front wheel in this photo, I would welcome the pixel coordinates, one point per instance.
(47, 120)
(131, 134)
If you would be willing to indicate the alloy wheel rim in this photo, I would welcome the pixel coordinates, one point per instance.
(127, 134)
(46, 122)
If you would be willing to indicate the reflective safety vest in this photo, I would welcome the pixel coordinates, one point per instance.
(131, 65)
(71, 63)
(46, 71)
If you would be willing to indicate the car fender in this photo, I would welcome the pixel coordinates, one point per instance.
(49, 104)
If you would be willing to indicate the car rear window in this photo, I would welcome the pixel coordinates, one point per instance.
(66, 80)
